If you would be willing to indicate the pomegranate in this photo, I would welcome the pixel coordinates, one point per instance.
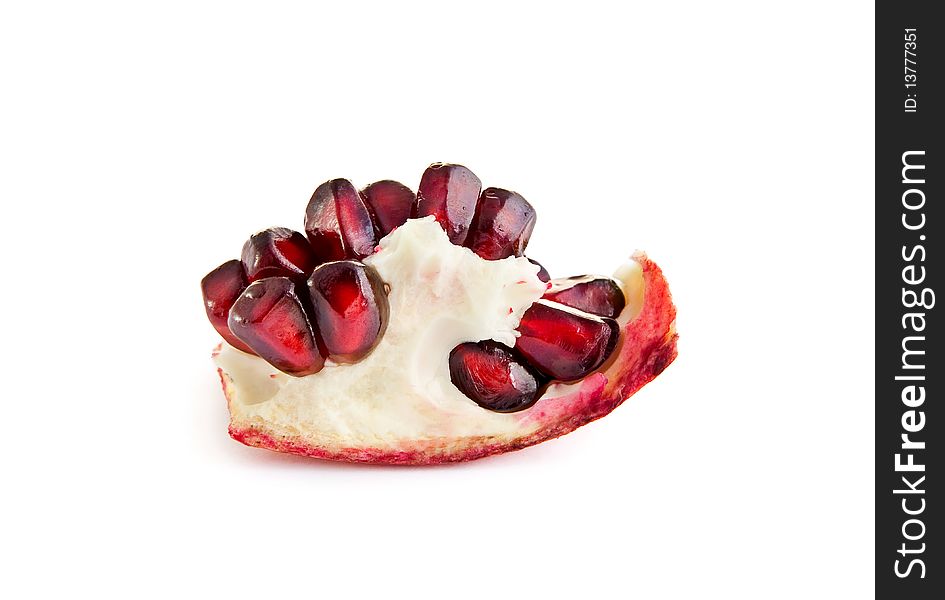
(411, 329)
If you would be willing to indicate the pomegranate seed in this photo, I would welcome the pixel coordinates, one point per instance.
(565, 343)
(450, 193)
(350, 308)
(277, 252)
(542, 273)
(594, 294)
(490, 375)
(221, 287)
(270, 319)
(390, 203)
(504, 222)
(338, 223)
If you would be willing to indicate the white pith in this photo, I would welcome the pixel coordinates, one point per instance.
(441, 295)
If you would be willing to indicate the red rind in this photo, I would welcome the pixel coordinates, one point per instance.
(647, 347)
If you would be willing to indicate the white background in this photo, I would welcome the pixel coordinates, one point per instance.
(140, 144)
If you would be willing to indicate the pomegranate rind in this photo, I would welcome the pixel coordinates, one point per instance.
(647, 346)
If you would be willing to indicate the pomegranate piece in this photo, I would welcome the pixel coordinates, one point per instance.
(396, 405)
(277, 252)
(594, 294)
(504, 222)
(269, 318)
(449, 193)
(492, 376)
(542, 272)
(221, 287)
(565, 343)
(390, 204)
(350, 308)
(648, 347)
(338, 223)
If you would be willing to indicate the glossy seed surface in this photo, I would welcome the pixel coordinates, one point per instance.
(597, 295)
(221, 287)
(449, 193)
(270, 318)
(565, 343)
(350, 308)
(492, 376)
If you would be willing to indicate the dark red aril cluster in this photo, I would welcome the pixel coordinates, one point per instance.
(556, 342)
(565, 337)
(298, 300)
(333, 309)
(495, 223)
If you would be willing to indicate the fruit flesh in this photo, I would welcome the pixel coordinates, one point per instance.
(435, 424)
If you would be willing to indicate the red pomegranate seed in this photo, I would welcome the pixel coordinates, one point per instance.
(490, 375)
(350, 308)
(277, 252)
(338, 223)
(565, 343)
(594, 294)
(449, 192)
(390, 203)
(542, 272)
(221, 287)
(504, 222)
(270, 319)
